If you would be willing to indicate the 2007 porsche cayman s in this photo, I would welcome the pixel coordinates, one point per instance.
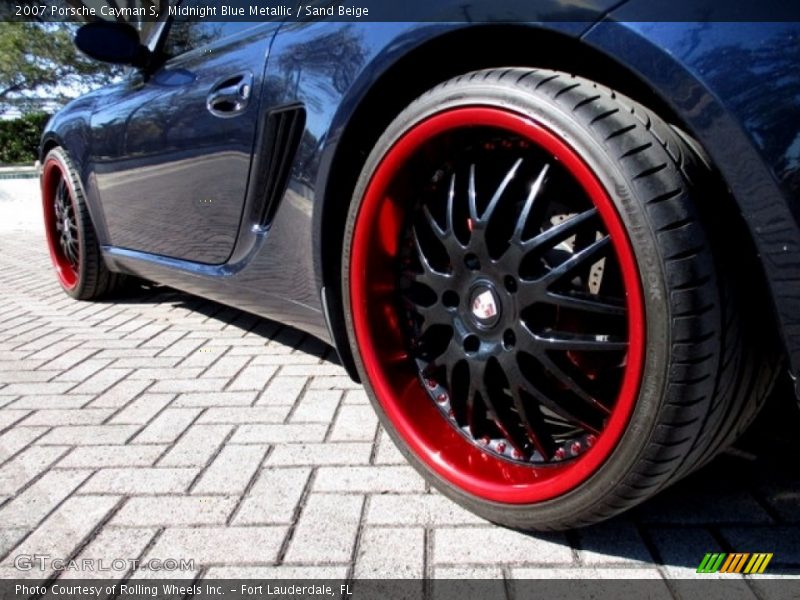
(562, 257)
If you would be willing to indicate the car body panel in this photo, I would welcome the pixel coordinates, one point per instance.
(330, 67)
(172, 176)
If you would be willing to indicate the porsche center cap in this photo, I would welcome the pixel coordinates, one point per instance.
(485, 306)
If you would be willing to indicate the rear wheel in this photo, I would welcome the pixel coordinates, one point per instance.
(71, 239)
(532, 300)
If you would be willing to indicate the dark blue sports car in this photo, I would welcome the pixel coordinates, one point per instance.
(562, 256)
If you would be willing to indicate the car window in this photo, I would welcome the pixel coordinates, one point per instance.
(187, 33)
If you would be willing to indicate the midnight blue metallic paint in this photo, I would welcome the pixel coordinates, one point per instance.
(735, 87)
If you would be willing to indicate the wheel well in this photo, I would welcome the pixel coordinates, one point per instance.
(46, 147)
(478, 47)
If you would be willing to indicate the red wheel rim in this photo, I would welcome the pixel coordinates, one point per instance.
(60, 222)
(383, 343)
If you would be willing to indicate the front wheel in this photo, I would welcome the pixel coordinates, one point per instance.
(532, 300)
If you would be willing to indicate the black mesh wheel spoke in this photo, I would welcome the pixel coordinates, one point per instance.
(530, 416)
(585, 302)
(561, 409)
(592, 253)
(517, 320)
(578, 342)
(572, 383)
(558, 233)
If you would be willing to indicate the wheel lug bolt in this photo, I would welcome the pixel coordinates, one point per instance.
(590, 440)
(501, 447)
(559, 454)
(516, 453)
(484, 441)
(575, 448)
(441, 398)
(430, 383)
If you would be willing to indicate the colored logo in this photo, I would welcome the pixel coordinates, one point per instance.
(484, 305)
(738, 562)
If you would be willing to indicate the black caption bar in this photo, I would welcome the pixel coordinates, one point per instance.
(406, 10)
(438, 589)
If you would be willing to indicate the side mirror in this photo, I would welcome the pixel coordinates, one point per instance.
(112, 42)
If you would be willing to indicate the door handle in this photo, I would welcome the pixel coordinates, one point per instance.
(230, 96)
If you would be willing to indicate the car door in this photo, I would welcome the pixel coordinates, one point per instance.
(172, 147)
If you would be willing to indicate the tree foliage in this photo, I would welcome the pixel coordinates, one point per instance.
(40, 66)
(19, 138)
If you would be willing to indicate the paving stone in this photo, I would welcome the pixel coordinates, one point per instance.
(312, 370)
(387, 453)
(171, 511)
(100, 381)
(166, 373)
(121, 393)
(56, 417)
(279, 434)
(9, 416)
(141, 410)
(196, 447)
(254, 377)
(16, 439)
(370, 479)
(614, 542)
(226, 366)
(82, 371)
(285, 359)
(65, 529)
(216, 399)
(167, 426)
(190, 385)
(89, 435)
(27, 465)
(282, 390)
(54, 401)
(237, 415)
(132, 481)
(358, 396)
(492, 545)
(702, 506)
(221, 545)
(30, 376)
(182, 347)
(40, 388)
(316, 406)
(391, 553)
(273, 497)
(417, 509)
(326, 530)
(112, 456)
(231, 470)
(285, 572)
(339, 453)
(355, 424)
(110, 554)
(10, 538)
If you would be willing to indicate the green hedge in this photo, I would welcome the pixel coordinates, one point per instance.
(19, 138)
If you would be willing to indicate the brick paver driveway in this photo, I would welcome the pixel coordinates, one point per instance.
(164, 426)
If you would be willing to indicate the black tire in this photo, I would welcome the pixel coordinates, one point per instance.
(83, 273)
(705, 371)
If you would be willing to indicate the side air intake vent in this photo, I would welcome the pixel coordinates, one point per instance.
(279, 140)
